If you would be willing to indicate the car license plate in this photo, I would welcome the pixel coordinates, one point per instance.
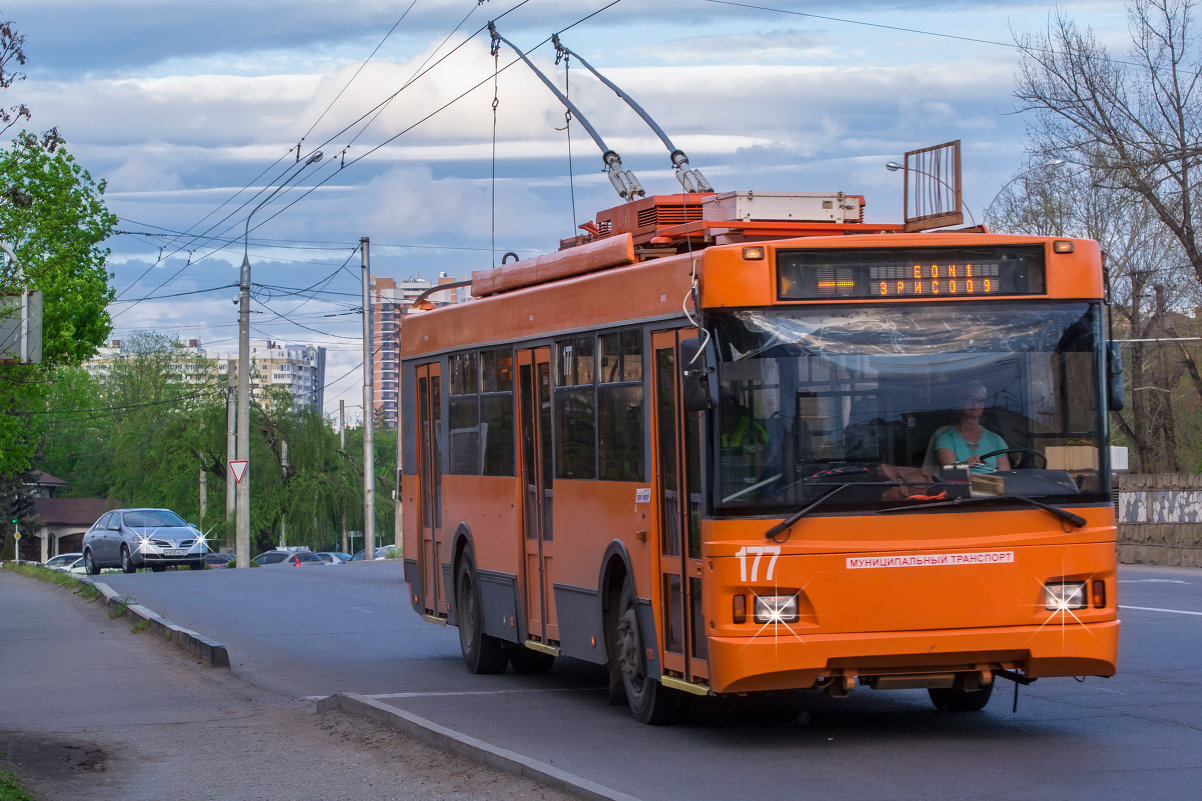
(175, 552)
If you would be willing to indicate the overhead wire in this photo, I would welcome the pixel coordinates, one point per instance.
(328, 141)
(306, 192)
(919, 31)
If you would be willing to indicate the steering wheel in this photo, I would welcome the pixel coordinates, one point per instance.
(1031, 451)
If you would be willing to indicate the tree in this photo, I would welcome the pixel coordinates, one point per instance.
(53, 216)
(56, 237)
(1135, 124)
(12, 52)
(73, 430)
(1131, 130)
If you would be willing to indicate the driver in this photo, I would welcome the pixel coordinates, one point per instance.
(960, 444)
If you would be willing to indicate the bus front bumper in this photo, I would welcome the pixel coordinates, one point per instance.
(787, 660)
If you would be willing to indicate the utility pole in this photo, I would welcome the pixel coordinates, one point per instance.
(242, 511)
(369, 466)
(284, 476)
(342, 448)
(204, 483)
(231, 444)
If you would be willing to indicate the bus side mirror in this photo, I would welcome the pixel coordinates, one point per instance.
(697, 378)
(1114, 377)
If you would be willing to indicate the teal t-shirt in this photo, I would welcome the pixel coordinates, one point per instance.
(952, 441)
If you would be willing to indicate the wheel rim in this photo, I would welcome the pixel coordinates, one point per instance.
(628, 649)
(467, 608)
(125, 560)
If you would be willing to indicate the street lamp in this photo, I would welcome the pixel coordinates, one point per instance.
(893, 166)
(242, 509)
(998, 194)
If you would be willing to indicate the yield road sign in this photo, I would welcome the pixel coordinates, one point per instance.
(238, 466)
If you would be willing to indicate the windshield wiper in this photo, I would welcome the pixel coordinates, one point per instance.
(1063, 514)
(789, 521)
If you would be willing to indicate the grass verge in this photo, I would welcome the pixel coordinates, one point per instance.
(10, 788)
(63, 579)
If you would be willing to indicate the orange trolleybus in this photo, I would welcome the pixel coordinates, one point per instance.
(745, 442)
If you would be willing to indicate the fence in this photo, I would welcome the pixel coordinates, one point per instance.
(1160, 519)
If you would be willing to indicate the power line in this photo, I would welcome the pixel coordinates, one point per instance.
(321, 183)
(1008, 45)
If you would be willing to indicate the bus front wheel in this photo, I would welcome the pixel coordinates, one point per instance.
(481, 653)
(956, 700)
(650, 701)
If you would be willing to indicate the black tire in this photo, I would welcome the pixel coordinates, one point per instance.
(127, 561)
(481, 653)
(527, 660)
(89, 564)
(649, 701)
(954, 700)
(158, 568)
(198, 565)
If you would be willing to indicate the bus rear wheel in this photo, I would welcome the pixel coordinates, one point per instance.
(650, 701)
(954, 700)
(481, 653)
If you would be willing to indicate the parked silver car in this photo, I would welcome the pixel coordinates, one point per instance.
(134, 538)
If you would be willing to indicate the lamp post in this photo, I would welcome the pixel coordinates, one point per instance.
(998, 194)
(893, 166)
(242, 510)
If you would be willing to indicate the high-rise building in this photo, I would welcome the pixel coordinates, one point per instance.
(301, 369)
(390, 302)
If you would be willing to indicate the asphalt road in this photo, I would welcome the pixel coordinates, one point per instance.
(317, 631)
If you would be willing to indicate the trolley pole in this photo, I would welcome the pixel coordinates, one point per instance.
(369, 467)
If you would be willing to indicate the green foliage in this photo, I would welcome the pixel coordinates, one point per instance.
(50, 576)
(143, 434)
(55, 232)
(10, 788)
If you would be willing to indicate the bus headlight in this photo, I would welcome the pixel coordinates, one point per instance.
(776, 609)
(1059, 596)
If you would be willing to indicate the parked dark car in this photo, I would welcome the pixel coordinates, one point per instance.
(134, 538)
(382, 552)
(288, 559)
(218, 560)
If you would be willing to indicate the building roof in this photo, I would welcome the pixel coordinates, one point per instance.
(44, 479)
(70, 511)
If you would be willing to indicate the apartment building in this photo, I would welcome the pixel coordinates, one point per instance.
(391, 301)
(301, 369)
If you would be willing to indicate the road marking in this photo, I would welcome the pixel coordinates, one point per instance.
(1152, 581)
(435, 694)
(1155, 609)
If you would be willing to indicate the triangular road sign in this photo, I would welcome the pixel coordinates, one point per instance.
(238, 466)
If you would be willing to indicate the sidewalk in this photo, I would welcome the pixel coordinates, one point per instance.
(90, 709)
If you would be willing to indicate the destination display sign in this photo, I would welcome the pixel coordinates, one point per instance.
(882, 273)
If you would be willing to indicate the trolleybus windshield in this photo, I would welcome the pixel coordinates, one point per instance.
(816, 397)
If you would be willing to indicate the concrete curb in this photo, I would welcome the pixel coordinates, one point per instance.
(213, 654)
(449, 740)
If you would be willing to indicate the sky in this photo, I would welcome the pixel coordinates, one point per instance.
(194, 113)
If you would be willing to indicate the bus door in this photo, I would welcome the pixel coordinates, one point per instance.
(429, 471)
(677, 444)
(534, 414)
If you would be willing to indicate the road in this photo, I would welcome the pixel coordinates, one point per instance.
(312, 632)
